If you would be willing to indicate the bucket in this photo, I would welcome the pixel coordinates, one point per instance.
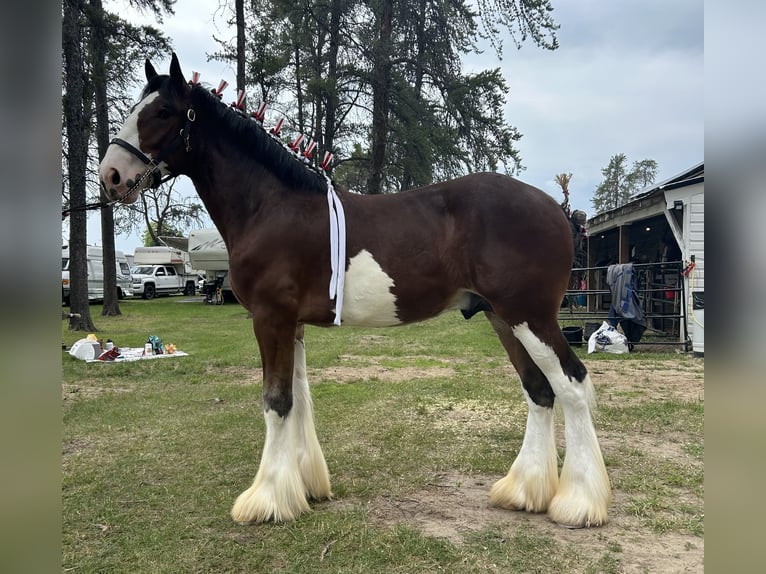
(590, 328)
(573, 335)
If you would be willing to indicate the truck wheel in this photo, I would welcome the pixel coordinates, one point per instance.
(149, 291)
(189, 289)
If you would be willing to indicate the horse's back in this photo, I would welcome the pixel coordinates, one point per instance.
(515, 230)
(484, 233)
(503, 217)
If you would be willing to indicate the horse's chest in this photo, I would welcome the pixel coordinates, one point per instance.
(368, 299)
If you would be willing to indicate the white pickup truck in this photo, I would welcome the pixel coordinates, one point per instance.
(162, 270)
(152, 280)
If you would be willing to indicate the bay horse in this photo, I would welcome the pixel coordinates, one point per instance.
(483, 242)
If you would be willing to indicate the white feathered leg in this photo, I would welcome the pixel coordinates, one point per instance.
(278, 492)
(311, 461)
(292, 464)
(584, 493)
(533, 478)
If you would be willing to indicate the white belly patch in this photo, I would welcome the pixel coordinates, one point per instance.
(367, 297)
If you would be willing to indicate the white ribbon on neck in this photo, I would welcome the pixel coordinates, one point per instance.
(337, 249)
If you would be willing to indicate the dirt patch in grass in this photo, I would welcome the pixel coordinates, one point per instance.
(87, 389)
(628, 381)
(371, 368)
(452, 506)
(240, 375)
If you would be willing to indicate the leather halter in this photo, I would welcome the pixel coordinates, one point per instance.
(153, 164)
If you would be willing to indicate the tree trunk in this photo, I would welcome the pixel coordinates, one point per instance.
(98, 49)
(408, 177)
(298, 86)
(319, 95)
(239, 6)
(381, 89)
(328, 135)
(77, 160)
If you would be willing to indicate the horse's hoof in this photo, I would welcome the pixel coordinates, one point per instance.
(255, 506)
(573, 516)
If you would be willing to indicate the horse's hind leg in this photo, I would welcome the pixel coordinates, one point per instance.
(533, 478)
(584, 494)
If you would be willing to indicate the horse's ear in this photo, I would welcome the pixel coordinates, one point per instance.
(149, 69)
(176, 75)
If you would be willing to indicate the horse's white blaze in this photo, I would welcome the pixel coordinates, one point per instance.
(120, 158)
(533, 478)
(128, 165)
(584, 492)
(129, 131)
(367, 297)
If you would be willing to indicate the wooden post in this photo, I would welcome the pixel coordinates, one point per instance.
(624, 241)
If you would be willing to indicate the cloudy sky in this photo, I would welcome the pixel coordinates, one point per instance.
(627, 78)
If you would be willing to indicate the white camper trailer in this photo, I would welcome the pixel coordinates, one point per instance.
(95, 258)
(207, 252)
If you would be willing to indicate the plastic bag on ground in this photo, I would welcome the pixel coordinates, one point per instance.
(608, 339)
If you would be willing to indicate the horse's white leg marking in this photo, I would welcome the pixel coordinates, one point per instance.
(311, 460)
(584, 492)
(278, 490)
(533, 478)
(367, 297)
(292, 464)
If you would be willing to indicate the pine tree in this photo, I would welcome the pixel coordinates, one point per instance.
(619, 184)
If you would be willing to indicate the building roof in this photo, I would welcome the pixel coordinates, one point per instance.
(694, 174)
(651, 197)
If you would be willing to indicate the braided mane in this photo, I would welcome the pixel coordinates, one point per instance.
(250, 137)
(256, 142)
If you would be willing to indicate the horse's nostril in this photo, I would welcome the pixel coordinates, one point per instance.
(115, 177)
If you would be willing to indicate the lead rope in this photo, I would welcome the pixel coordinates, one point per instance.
(337, 249)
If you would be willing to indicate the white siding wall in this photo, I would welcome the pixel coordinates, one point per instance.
(696, 237)
(691, 240)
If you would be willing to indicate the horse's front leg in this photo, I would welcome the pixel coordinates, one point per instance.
(311, 459)
(279, 490)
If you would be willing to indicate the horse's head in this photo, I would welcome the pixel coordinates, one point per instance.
(153, 138)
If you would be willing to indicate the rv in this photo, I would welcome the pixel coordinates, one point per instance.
(207, 252)
(95, 260)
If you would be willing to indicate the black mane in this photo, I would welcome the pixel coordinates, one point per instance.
(253, 138)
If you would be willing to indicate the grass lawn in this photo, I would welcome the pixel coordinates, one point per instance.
(413, 421)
